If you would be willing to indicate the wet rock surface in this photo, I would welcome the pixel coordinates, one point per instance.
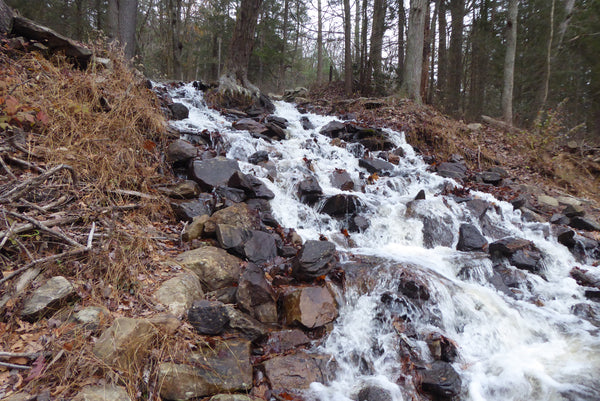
(208, 317)
(470, 239)
(315, 259)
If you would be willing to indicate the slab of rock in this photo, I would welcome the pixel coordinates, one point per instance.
(491, 177)
(166, 322)
(478, 207)
(195, 228)
(566, 236)
(208, 317)
(183, 190)
(256, 296)
(214, 172)
(340, 205)
(508, 246)
(125, 344)
(574, 211)
(260, 247)
(376, 165)
(441, 380)
(178, 293)
(233, 397)
(413, 287)
(214, 266)
(310, 306)
(244, 324)
(294, 372)
(358, 223)
(283, 341)
(333, 130)
(180, 151)
(309, 190)
(342, 180)
(584, 224)
(232, 238)
(315, 259)
(238, 215)
(452, 170)
(108, 392)
(92, 317)
(258, 157)
(189, 209)
(179, 111)
(222, 368)
(48, 298)
(250, 125)
(548, 201)
(526, 259)
(470, 239)
(252, 186)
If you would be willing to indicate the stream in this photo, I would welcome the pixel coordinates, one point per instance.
(522, 344)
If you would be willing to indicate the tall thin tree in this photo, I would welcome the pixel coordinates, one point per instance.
(414, 50)
(509, 61)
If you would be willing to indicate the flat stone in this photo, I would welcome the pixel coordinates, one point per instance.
(376, 165)
(568, 200)
(245, 324)
(183, 190)
(283, 341)
(180, 151)
(48, 298)
(108, 392)
(250, 125)
(314, 260)
(545, 200)
(214, 266)
(260, 247)
(333, 129)
(179, 111)
(574, 211)
(470, 239)
(452, 170)
(212, 173)
(126, 343)
(508, 246)
(527, 260)
(294, 372)
(582, 223)
(178, 293)
(92, 317)
(189, 209)
(238, 215)
(310, 306)
(256, 296)
(208, 317)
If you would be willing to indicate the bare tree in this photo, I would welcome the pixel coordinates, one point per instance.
(379, 9)
(319, 43)
(414, 50)
(347, 49)
(122, 18)
(509, 61)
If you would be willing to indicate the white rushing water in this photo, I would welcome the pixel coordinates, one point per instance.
(524, 347)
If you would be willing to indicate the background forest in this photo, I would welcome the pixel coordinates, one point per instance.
(303, 42)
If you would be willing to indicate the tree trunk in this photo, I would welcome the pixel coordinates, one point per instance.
(562, 29)
(442, 76)
(457, 10)
(414, 50)
(357, 15)
(282, 63)
(431, 89)
(377, 32)
(426, 52)
(122, 18)
(363, 47)
(242, 41)
(347, 49)
(6, 18)
(174, 10)
(319, 43)
(548, 71)
(401, 24)
(509, 61)
(480, 35)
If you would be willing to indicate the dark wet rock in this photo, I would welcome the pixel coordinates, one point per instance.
(585, 278)
(232, 238)
(376, 166)
(208, 317)
(180, 151)
(279, 121)
(375, 143)
(437, 231)
(235, 195)
(279, 342)
(342, 180)
(358, 223)
(470, 239)
(413, 287)
(253, 187)
(452, 170)
(182, 190)
(310, 307)
(340, 205)
(441, 380)
(256, 296)
(296, 371)
(258, 157)
(221, 367)
(559, 218)
(527, 260)
(566, 236)
(245, 324)
(508, 246)
(442, 348)
(309, 190)
(593, 295)
(584, 224)
(213, 172)
(214, 266)
(46, 299)
(187, 210)
(260, 247)
(250, 125)
(275, 131)
(478, 207)
(574, 211)
(420, 195)
(519, 202)
(374, 393)
(179, 111)
(491, 177)
(510, 277)
(587, 311)
(333, 130)
(126, 343)
(316, 258)
(306, 124)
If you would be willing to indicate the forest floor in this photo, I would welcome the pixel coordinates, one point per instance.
(81, 155)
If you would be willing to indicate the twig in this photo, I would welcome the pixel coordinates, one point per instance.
(28, 355)
(132, 193)
(26, 164)
(7, 169)
(42, 227)
(22, 149)
(19, 189)
(91, 236)
(49, 223)
(24, 249)
(17, 85)
(8, 233)
(15, 366)
(72, 252)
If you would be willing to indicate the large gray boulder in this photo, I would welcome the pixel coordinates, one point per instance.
(470, 239)
(214, 266)
(315, 259)
(179, 292)
(180, 151)
(212, 173)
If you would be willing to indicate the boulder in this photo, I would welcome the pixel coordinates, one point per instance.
(166, 322)
(526, 259)
(315, 259)
(107, 392)
(217, 368)
(180, 151)
(547, 201)
(92, 317)
(566, 236)
(258, 157)
(179, 292)
(558, 218)
(436, 231)
(260, 247)
(333, 129)
(358, 223)
(250, 125)
(311, 307)
(295, 372)
(508, 246)
(256, 296)
(238, 215)
(244, 324)
(442, 348)
(574, 211)
(179, 111)
(477, 207)
(306, 124)
(279, 342)
(289, 95)
(378, 166)
(252, 186)
(189, 209)
(491, 177)
(340, 205)
(214, 266)
(232, 238)
(374, 393)
(420, 195)
(584, 224)
(195, 228)
(235, 195)
(376, 142)
(470, 239)
(182, 190)
(413, 287)
(125, 344)
(213, 172)
(48, 298)
(309, 190)
(208, 317)
(342, 180)
(441, 380)
(452, 170)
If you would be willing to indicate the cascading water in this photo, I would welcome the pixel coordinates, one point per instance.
(525, 344)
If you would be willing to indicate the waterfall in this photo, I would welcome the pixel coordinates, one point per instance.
(521, 343)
